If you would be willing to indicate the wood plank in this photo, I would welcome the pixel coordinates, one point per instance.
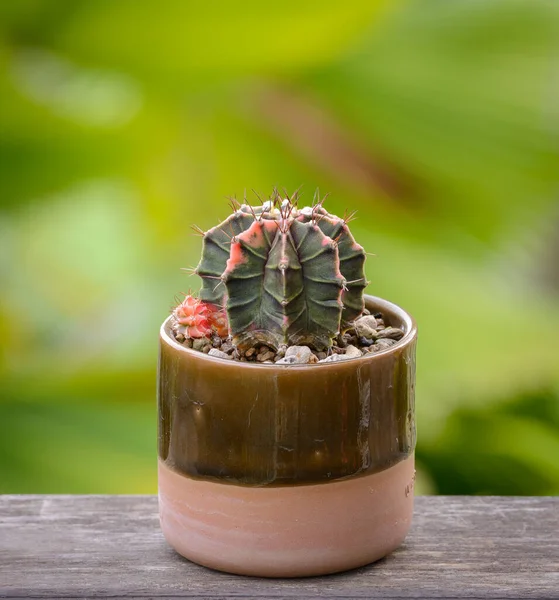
(99, 546)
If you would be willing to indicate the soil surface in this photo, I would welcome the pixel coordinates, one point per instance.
(369, 334)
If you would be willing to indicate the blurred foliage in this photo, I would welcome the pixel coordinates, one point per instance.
(122, 123)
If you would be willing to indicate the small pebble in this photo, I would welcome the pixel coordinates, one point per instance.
(365, 342)
(334, 358)
(188, 342)
(383, 344)
(199, 343)
(206, 349)
(366, 327)
(391, 332)
(250, 352)
(216, 341)
(352, 352)
(321, 355)
(302, 354)
(227, 347)
(266, 356)
(179, 337)
(219, 354)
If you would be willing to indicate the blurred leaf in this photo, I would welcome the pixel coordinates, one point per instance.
(77, 447)
(196, 39)
(462, 95)
(495, 453)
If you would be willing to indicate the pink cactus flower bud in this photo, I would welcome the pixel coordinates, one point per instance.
(195, 316)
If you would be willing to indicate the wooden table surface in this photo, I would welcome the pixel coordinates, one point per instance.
(111, 546)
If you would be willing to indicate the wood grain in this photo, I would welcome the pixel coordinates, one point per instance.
(111, 546)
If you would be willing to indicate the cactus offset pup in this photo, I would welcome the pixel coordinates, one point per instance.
(277, 275)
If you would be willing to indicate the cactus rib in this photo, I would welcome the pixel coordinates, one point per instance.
(215, 253)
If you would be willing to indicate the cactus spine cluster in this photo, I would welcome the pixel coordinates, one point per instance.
(283, 274)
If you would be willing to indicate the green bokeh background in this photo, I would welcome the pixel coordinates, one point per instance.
(124, 122)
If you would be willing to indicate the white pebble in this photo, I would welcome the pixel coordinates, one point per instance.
(352, 352)
(219, 354)
(302, 354)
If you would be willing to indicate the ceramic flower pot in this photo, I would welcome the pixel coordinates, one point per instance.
(291, 470)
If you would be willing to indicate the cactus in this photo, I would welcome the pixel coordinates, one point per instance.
(197, 319)
(283, 275)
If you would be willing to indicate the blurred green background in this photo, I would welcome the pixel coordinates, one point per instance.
(123, 122)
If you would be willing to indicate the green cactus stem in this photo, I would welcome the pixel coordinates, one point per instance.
(283, 286)
(284, 275)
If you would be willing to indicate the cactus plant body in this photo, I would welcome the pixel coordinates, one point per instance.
(283, 275)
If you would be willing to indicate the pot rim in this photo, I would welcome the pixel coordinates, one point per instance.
(410, 334)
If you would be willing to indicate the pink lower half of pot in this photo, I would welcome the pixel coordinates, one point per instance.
(287, 531)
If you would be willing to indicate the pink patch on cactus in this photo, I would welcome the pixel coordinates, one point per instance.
(236, 256)
(254, 235)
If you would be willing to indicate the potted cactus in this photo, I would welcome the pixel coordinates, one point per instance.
(286, 401)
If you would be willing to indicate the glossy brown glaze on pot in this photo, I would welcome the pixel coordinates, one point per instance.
(254, 424)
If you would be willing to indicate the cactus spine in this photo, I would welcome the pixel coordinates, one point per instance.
(284, 275)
